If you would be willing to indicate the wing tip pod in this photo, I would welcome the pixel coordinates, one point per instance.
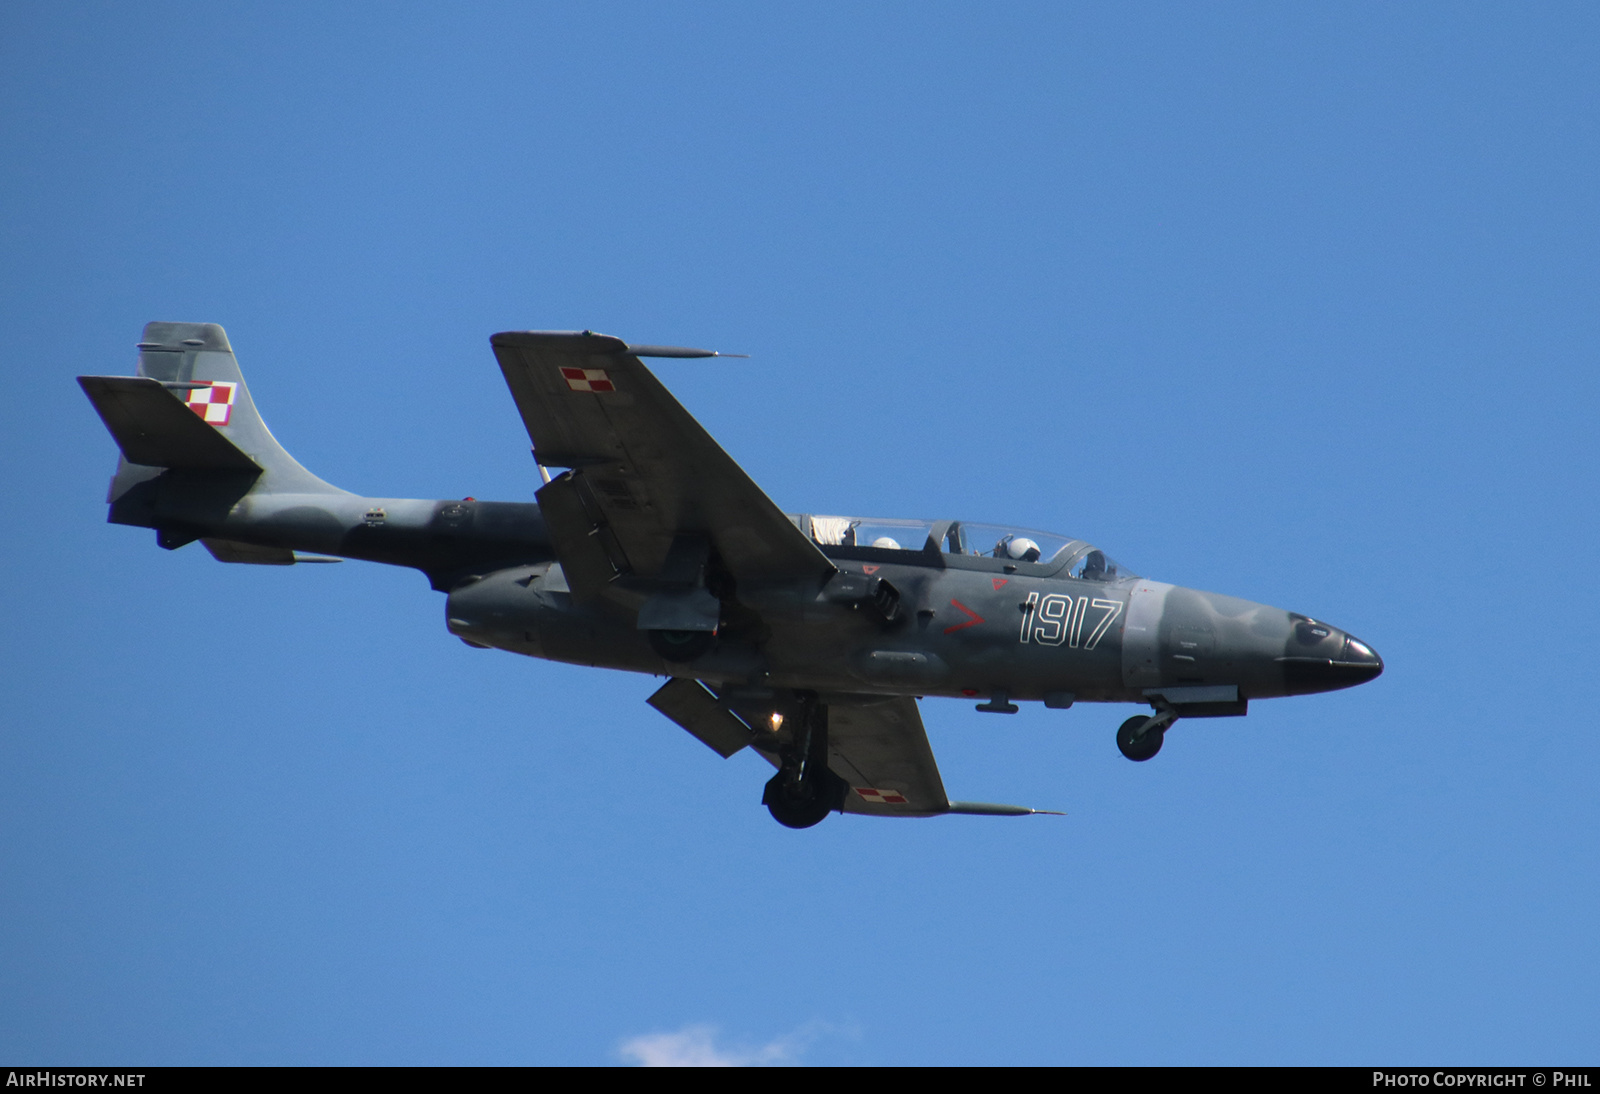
(992, 809)
(679, 351)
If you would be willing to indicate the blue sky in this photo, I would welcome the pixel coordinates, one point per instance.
(1295, 303)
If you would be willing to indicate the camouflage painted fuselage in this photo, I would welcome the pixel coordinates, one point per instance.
(966, 626)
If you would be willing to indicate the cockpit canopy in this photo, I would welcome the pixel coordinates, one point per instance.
(915, 540)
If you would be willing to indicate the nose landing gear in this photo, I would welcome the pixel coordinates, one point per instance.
(1141, 736)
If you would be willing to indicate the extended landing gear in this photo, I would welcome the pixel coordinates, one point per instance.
(804, 791)
(1141, 737)
(803, 803)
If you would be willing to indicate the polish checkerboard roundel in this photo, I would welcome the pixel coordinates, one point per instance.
(587, 379)
(213, 402)
(881, 796)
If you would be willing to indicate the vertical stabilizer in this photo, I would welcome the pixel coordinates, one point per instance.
(192, 444)
(196, 364)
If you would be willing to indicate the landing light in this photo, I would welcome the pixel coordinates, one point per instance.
(777, 721)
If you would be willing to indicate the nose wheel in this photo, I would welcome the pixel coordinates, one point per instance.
(1141, 736)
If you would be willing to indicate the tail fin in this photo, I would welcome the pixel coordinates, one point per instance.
(188, 420)
(195, 364)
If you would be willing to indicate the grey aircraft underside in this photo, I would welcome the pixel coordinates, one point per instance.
(806, 637)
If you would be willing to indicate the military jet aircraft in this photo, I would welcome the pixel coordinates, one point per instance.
(806, 637)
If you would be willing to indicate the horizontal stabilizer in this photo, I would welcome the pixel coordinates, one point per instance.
(155, 428)
(229, 550)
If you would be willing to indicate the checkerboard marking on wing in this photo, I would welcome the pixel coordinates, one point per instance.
(881, 797)
(214, 402)
(587, 379)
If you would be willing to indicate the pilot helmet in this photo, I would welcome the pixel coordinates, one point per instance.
(1022, 549)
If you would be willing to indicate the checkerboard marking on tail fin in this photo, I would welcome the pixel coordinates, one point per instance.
(214, 402)
(587, 379)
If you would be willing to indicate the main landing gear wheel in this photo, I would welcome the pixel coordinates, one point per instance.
(805, 789)
(679, 645)
(804, 803)
(1138, 743)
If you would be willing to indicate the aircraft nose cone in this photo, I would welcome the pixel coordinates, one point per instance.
(1322, 658)
(1360, 661)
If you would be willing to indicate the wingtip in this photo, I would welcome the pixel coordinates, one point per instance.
(601, 343)
(595, 342)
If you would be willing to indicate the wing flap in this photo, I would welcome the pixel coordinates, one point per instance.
(697, 710)
(591, 556)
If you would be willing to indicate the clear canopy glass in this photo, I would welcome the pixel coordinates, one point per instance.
(888, 535)
(955, 537)
(1001, 541)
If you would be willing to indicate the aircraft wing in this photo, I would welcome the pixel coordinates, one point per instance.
(878, 747)
(650, 493)
(882, 751)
